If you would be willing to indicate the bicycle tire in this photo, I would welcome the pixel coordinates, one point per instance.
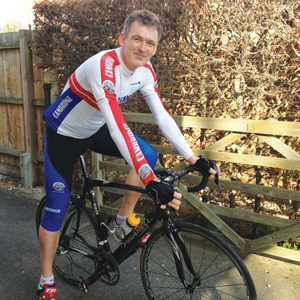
(72, 266)
(223, 275)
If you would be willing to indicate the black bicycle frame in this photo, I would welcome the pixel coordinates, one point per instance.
(129, 244)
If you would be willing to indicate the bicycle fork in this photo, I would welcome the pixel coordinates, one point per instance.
(180, 251)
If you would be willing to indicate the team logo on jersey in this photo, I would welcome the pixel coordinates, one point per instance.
(144, 171)
(109, 86)
(58, 186)
(124, 99)
(135, 83)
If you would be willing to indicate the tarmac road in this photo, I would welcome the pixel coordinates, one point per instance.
(20, 264)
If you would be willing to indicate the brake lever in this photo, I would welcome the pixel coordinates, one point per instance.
(217, 175)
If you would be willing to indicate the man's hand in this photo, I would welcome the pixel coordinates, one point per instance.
(164, 193)
(204, 165)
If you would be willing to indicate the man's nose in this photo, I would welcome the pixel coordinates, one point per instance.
(142, 46)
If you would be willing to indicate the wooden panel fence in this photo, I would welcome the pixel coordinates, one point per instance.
(21, 106)
(22, 135)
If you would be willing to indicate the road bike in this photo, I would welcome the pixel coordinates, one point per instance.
(179, 260)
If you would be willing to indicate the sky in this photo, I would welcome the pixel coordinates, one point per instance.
(15, 10)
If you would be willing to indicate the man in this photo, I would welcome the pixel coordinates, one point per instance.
(87, 115)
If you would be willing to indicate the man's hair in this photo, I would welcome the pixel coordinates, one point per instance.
(145, 17)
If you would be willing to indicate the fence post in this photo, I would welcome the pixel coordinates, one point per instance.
(26, 169)
(97, 173)
(28, 96)
(47, 92)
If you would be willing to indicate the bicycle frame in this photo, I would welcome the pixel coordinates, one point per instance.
(129, 244)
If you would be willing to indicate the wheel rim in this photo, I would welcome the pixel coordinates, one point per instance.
(74, 266)
(220, 278)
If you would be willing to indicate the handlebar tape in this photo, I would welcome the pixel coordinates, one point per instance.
(205, 178)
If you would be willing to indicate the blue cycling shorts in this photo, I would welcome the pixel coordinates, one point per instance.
(61, 153)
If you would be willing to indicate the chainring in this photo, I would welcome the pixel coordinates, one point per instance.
(107, 266)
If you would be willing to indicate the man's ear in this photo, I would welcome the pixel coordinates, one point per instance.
(122, 39)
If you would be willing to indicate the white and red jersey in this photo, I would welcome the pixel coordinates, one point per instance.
(92, 97)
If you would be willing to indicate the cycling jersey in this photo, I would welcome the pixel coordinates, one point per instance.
(92, 97)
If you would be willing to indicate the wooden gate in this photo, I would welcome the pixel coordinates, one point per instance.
(269, 132)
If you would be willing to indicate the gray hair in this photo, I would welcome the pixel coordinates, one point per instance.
(145, 17)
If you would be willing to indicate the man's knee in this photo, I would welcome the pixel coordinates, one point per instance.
(55, 211)
(151, 156)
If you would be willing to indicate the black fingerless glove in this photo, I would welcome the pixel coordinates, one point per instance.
(161, 192)
(203, 165)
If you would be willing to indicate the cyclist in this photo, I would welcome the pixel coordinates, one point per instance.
(87, 115)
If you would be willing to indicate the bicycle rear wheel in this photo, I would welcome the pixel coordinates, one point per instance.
(41, 210)
(222, 273)
(75, 259)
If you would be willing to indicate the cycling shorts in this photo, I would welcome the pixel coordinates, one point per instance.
(60, 155)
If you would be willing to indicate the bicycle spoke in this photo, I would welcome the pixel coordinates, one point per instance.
(221, 277)
(75, 258)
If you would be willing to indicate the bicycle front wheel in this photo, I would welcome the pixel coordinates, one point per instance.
(221, 273)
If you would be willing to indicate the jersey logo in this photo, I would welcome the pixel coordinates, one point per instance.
(62, 106)
(123, 99)
(109, 63)
(144, 171)
(109, 86)
(136, 83)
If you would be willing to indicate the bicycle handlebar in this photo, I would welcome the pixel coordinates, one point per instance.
(169, 176)
(204, 181)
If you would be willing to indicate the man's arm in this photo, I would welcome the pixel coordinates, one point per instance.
(169, 128)
(125, 140)
(172, 132)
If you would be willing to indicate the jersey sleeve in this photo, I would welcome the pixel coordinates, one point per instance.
(119, 130)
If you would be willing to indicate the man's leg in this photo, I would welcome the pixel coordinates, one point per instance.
(129, 202)
(61, 153)
(104, 144)
(130, 197)
(48, 244)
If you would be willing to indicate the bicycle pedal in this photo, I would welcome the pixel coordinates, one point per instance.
(83, 287)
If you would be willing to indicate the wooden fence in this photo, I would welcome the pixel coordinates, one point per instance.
(22, 136)
(21, 107)
(268, 132)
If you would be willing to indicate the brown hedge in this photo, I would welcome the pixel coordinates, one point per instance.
(216, 58)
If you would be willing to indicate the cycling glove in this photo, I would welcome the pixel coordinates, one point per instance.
(161, 192)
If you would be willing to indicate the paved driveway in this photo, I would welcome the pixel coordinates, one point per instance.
(20, 267)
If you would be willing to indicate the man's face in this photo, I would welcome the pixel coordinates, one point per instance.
(139, 45)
